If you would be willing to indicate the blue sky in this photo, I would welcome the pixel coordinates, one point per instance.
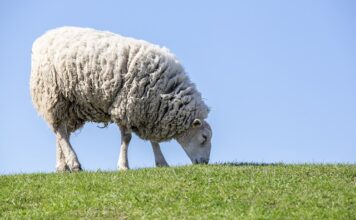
(279, 76)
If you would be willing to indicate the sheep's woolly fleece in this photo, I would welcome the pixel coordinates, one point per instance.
(81, 74)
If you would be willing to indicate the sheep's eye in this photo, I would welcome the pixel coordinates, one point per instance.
(205, 138)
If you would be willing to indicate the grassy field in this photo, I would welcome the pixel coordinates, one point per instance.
(231, 191)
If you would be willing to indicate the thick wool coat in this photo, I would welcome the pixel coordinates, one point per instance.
(81, 74)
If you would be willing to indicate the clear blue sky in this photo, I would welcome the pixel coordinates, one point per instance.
(279, 76)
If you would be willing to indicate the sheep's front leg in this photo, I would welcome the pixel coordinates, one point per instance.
(123, 163)
(61, 162)
(159, 158)
(70, 156)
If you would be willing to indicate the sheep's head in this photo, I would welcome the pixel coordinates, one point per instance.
(196, 141)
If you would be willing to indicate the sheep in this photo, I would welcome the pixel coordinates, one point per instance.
(83, 75)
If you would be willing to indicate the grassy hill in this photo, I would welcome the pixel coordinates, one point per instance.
(231, 191)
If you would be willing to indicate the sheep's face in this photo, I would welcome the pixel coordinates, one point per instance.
(196, 141)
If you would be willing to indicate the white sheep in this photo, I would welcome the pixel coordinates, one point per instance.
(81, 74)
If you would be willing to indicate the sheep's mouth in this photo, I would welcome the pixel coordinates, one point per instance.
(201, 161)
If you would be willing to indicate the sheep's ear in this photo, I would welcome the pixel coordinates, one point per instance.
(196, 123)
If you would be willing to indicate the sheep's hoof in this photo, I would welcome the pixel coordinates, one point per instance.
(123, 168)
(76, 168)
(162, 165)
(62, 168)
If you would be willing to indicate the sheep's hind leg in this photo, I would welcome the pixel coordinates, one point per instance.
(159, 158)
(123, 163)
(70, 156)
(61, 163)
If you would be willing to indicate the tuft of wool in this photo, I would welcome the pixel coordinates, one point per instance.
(81, 74)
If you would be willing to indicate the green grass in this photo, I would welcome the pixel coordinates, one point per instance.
(230, 191)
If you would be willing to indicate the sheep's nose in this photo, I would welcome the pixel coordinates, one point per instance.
(204, 161)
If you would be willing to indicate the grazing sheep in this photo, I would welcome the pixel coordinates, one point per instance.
(81, 74)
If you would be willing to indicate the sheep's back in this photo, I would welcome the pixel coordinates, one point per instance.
(77, 71)
(86, 67)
